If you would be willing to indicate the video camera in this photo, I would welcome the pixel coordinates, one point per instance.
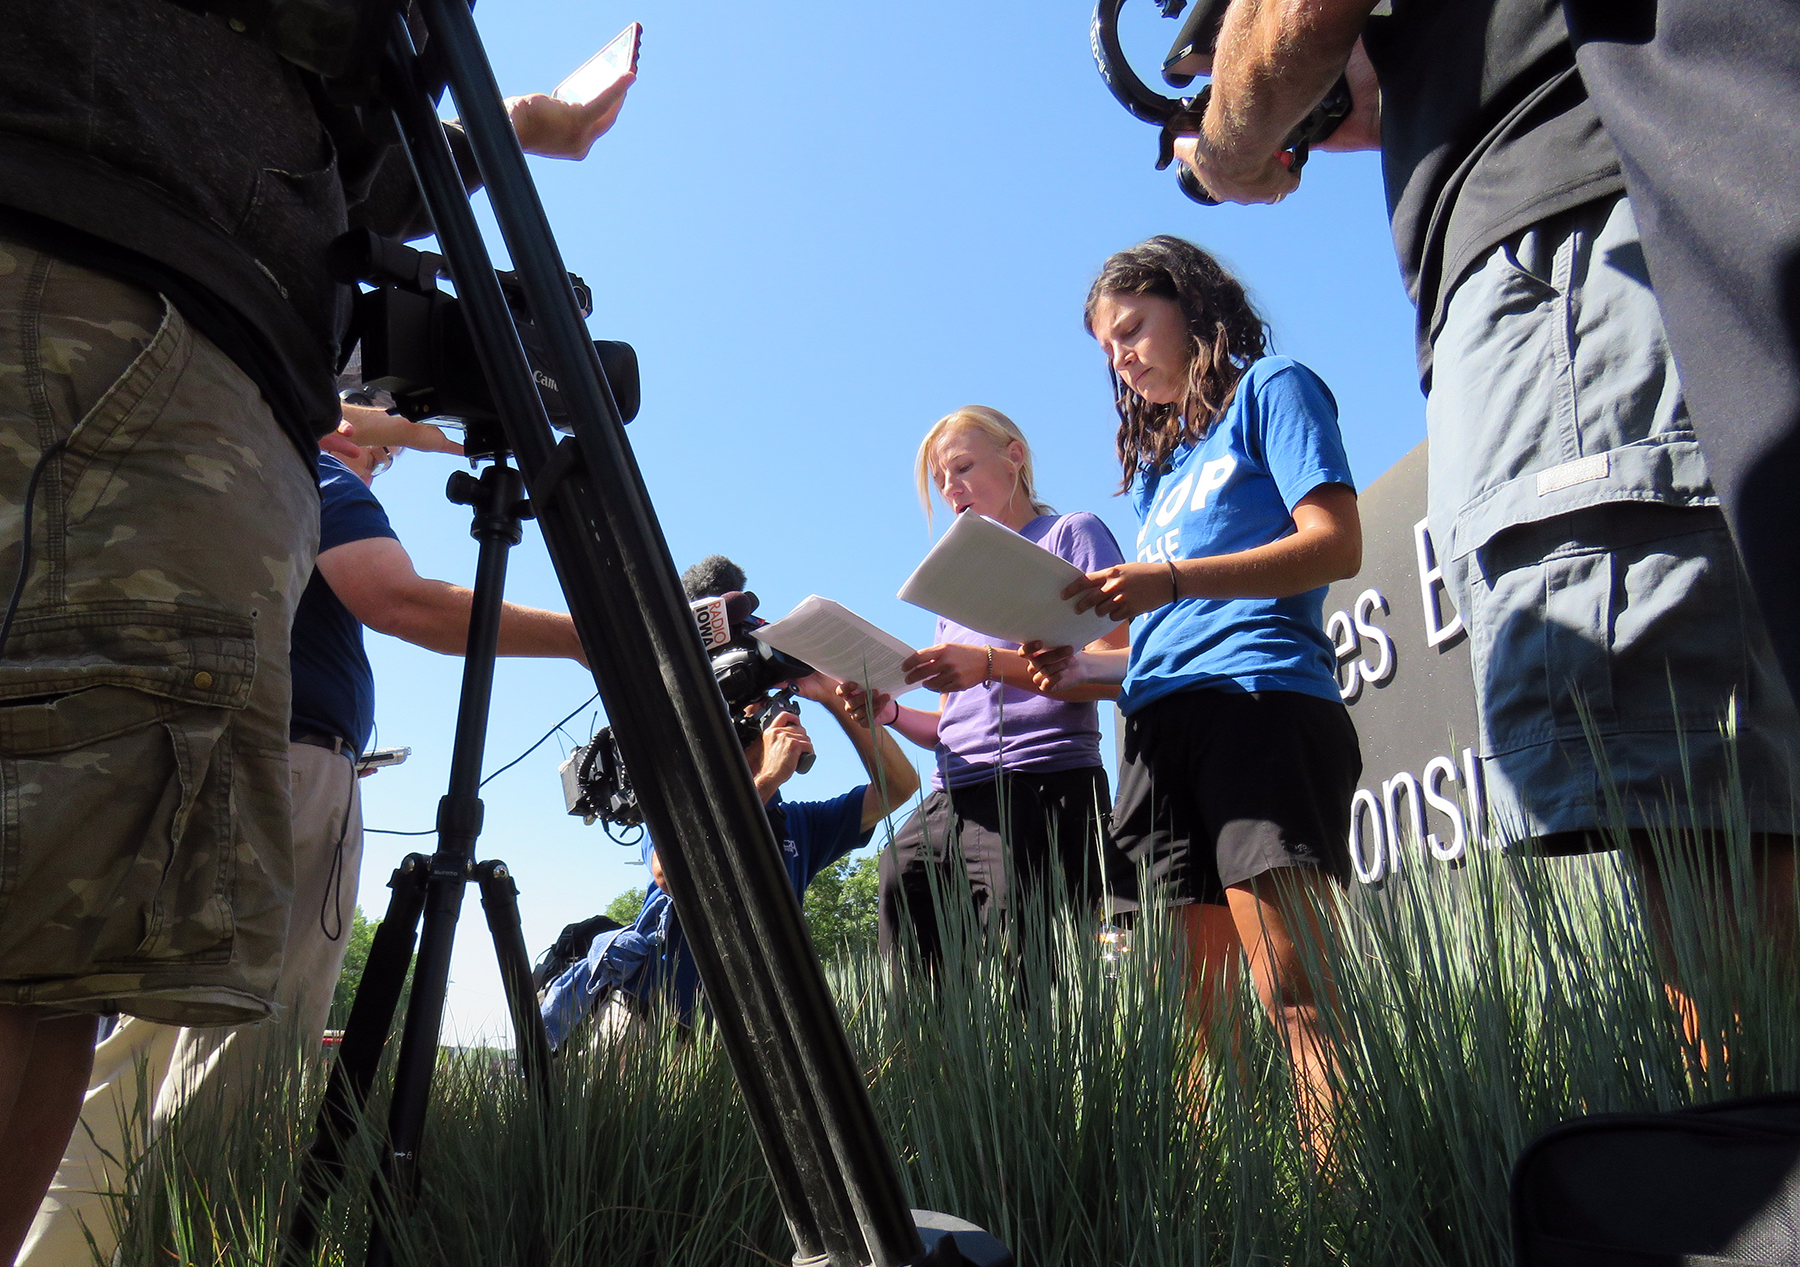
(416, 344)
(1183, 117)
(752, 676)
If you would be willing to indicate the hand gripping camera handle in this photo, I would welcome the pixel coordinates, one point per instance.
(1184, 116)
(1319, 123)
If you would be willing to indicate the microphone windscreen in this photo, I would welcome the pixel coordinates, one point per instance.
(712, 576)
(738, 606)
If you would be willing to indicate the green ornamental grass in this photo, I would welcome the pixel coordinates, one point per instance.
(1060, 1095)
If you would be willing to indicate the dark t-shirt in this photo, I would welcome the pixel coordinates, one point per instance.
(1486, 128)
(158, 145)
(334, 687)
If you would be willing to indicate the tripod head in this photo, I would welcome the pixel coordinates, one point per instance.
(417, 347)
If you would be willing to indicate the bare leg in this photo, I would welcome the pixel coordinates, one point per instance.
(1774, 880)
(1215, 961)
(44, 1067)
(1278, 920)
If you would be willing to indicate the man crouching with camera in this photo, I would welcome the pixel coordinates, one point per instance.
(628, 973)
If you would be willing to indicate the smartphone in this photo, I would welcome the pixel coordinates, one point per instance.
(597, 73)
(381, 757)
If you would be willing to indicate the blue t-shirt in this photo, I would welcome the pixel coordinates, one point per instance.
(334, 687)
(1235, 490)
(813, 835)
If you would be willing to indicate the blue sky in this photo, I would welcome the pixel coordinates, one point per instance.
(822, 231)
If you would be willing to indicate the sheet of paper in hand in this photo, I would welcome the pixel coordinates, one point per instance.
(986, 577)
(835, 640)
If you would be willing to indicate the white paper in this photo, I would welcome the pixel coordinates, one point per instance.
(835, 640)
(988, 578)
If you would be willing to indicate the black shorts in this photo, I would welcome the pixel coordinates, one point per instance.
(1010, 835)
(1217, 787)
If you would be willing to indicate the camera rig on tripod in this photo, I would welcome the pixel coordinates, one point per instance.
(755, 680)
(837, 1181)
(1185, 116)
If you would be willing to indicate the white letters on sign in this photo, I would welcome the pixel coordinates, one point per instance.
(1348, 630)
(1440, 812)
(1431, 585)
(1367, 604)
(1382, 827)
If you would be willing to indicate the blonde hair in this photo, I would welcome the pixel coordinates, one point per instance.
(997, 427)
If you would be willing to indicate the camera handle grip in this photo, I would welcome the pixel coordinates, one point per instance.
(777, 704)
(1320, 123)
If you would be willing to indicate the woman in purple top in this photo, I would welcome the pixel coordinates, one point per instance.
(1018, 788)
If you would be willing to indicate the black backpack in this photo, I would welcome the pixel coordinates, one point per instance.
(1713, 1186)
(571, 947)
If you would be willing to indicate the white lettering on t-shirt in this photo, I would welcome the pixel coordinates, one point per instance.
(1212, 478)
(1172, 502)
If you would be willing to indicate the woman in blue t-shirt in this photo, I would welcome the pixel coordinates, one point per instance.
(1240, 760)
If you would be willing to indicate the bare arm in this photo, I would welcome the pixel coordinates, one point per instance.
(1275, 60)
(1093, 673)
(957, 666)
(892, 779)
(1325, 546)
(375, 579)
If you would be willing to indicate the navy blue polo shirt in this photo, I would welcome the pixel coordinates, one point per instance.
(334, 687)
(813, 835)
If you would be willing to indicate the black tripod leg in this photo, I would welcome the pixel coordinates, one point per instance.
(498, 500)
(500, 903)
(365, 1036)
(775, 1092)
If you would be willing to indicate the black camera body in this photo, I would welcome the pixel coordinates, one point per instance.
(752, 676)
(416, 344)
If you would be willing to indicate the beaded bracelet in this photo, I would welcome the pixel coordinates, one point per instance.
(989, 677)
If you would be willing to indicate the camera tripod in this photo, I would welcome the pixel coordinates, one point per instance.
(835, 1177)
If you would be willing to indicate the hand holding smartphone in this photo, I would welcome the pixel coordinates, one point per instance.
(380, 759)
(603, 69)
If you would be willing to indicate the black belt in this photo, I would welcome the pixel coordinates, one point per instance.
(319, 740)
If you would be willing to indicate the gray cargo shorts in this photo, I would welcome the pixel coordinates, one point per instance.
(1612, 633)
(145, 851)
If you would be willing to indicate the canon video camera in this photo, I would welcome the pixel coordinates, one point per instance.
(752, 676)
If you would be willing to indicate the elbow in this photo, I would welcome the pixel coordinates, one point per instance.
(902, 788)
(411, 625)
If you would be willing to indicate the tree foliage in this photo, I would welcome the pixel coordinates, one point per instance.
(623, 910)
(840, 907)
(356, 955)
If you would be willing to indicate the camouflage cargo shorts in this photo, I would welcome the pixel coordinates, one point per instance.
(145, 852)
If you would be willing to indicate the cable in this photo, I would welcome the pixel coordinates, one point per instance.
(18, 591)
(333, 897)
(382, 831)
(540, 743)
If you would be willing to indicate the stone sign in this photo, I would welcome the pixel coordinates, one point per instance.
(1404, 672)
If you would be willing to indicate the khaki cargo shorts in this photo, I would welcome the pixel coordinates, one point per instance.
(1611, 628)
(145, 852)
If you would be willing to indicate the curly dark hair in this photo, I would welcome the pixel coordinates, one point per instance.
(1228, 335)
